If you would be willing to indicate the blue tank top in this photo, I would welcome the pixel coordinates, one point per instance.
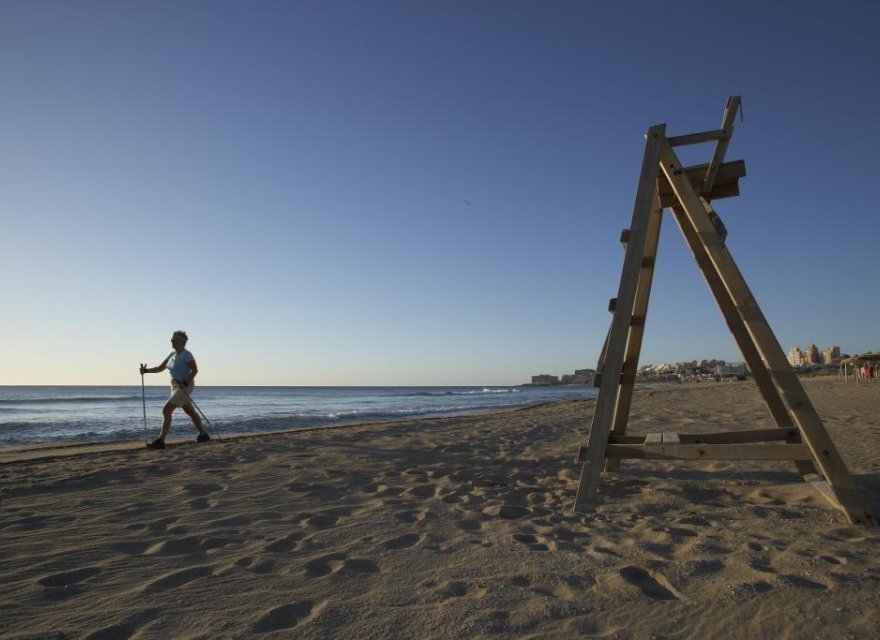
(178, 365)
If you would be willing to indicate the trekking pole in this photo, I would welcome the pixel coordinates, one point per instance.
(204, 417)
(144, 399)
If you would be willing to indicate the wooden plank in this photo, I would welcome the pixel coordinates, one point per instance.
(698, 138)
(737, 326)
(788, 434)
(718, 437)
(711, 451)
(728, 173)
(823, 487)
(606, 400)
(798, 404)
(727, 120)
(637, 327)
(653, 439)
(597, 379)
(719, 192)
(671, 438)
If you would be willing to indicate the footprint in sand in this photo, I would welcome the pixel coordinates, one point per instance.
(652, 585)
(421, 491)
(178, 579)
(233, 521)
(453, 589)
(412, 515)
(203, 503)
(405, 541)
(323, 521)
(176, 546)
(155, 526)
(113, 632)
(469, 525)
(199, 489)
(286, 616)
(125, 629)
(288, 543)
(507, 511)
(219, 542)
(68, 578)
(333, 562)
(263, 567)
(802, 583)
(131, 548)
(535, 543)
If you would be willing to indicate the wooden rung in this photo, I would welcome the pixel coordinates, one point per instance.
(671, 438)
(698, 138)
(710, 451)
(775, 434)
(653, 439)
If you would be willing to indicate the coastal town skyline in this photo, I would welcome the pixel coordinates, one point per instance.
(797, 357)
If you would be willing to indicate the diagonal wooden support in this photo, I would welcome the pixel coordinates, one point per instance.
(738, 329)
(613, 365)
(727, 120)
(797, 403)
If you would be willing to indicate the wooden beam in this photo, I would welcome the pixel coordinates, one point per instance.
(719, 192)
(727, 120)
(662, 451)
(617, 338)
(698, 138)
(738, 329)
(653, 439)
(720, 437)
(789, 387)
(725, 184)
(637, 326)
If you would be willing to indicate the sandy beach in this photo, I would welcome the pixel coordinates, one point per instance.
(445, 528)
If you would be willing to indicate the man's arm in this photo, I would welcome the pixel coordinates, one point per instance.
(156, 369)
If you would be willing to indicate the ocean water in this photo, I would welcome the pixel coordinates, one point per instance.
(45, 414)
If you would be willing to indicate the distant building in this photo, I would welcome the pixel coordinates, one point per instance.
(795, 357)
(831, 355)
(580, 376)
(811, 355)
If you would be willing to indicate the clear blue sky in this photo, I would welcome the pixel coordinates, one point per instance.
(415, 193)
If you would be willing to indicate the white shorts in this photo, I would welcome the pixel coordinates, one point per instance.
(179, 396)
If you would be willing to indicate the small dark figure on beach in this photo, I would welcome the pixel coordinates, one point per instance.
(182, 366)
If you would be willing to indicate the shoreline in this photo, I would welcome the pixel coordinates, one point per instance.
(30, 453)
(454, 527)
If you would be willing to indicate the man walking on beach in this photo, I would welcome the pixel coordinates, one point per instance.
(182, 366)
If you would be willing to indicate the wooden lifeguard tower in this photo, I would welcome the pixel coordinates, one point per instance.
(799, 435)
